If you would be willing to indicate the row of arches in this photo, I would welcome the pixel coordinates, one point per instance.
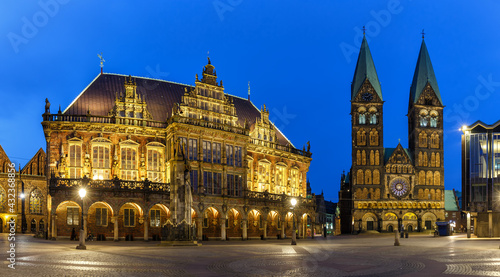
(423, 159)
(131, 220)
(423, 140)
(398, 205)
(430, 194)
(398, 168)
(374, 158)
(390, 222)
(366, 193)
(429, 178)
(368, 177)
(361, 137)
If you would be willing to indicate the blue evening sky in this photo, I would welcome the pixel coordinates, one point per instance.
(298, 55)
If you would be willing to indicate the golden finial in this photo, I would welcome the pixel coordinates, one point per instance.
(102, 61)
(248, 90)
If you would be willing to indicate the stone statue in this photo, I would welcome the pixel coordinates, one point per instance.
(308, 147)
(47, 106)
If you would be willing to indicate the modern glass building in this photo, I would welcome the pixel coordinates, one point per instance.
(481, 177)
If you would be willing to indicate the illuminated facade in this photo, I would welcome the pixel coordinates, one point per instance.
(397, 187)
(28, 194)
(119, 138)
(481, 177)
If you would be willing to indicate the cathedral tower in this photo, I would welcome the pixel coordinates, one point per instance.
(367, 130)
(425, 129)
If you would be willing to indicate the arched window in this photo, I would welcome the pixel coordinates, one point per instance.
(75, 159)
(362, 118)
(433, 159)
(423, 121)
(421, 178)
(372, 157)
(420, 194)
(376, 177)
(361, 137)
(36, 198)
(363, 157)
(437, 178)
(429, 178)
(358, 157)
(422, 139)
(426, 159)
(433, 122)
(438, 194)
(3, 200)
(359, 177)
(438, 160)
(435, 140)
(377, 157)
(373, 119)
(420, 159)
(374, 137)
(368, 177)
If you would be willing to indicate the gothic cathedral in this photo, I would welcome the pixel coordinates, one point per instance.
(396, 188)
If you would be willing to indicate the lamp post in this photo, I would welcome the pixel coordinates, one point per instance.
(293, 201)
(82, 192)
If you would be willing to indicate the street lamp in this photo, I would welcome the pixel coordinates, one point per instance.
(293, 201)
(82, 192)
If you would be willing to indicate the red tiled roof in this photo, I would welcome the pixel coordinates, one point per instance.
(99, 98)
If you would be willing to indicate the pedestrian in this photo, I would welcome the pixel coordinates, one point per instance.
(73, 234)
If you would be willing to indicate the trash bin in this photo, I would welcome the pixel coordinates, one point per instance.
(444, 228)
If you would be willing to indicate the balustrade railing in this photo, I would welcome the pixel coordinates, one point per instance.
(110, 184)
(105, 119)
(280, 147)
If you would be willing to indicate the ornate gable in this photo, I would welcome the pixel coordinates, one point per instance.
(130, 105)
(428, 97)
(367, 93)
(4, 161)
(263, 129)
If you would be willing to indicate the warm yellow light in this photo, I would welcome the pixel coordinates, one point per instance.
(464, 127)
(82, 193)
(22, 195)
(293, 201)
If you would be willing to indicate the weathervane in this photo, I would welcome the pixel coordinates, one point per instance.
(364, 30)
(423, 34)
(102, 61)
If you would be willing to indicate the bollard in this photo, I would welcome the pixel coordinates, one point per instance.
(396, 238)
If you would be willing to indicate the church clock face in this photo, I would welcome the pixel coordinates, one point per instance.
(367, 96)
(399, 187)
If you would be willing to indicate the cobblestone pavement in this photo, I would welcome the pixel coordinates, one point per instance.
(364, 255)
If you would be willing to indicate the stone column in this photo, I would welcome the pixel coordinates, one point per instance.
(468, 225)
(54, 227)
(115, 228)
(490, 223)
(313, 229)
(244, 228)
(146, 227)
(300, 229)
(265, 229)
(85, 226)
(199, 228)
(223, 228)
(283, 224)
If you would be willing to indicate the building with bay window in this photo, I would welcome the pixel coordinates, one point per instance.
(481, 177)
(119, 138)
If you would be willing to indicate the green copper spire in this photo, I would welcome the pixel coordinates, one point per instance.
(424, 73)
(365, 69)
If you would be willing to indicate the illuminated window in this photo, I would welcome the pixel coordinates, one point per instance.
(155, 172)
(101, 216)
(36, 198)
(362, 119)
(100, 162)
(129, 217)
(216, 147)
(237, 156)
(207, 151)
(129, 163)
(212, 182)
(229, 155)
(75, 161)
(193, 149)
(373, 119)
(234, 183)
(154, 216)
(72, 216)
